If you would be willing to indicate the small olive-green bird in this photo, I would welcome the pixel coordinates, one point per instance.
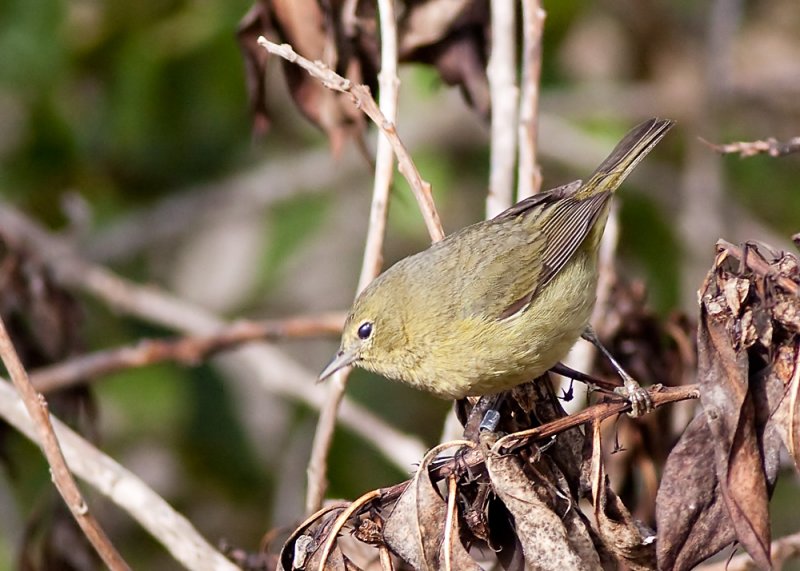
(499, 302)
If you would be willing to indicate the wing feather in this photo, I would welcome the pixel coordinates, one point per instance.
(566, 229)
(566, 224)
(531, 242)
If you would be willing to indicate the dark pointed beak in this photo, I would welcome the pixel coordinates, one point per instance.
(340, 361)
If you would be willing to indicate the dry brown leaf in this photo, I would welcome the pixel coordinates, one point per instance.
(747, 356)
(736, 290)
(723, 375)
(453, 36)
(787, 417)
(552, 533)
(307, 539)
(307, 26)
(336, 561)
(43, 318)
(415, 529)
(743, 371)
(449, 34)
(253, 25)
(427, 22)
(693, 522)
(787, 312)
(625, 538)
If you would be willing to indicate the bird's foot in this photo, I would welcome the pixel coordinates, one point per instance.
(641, 402)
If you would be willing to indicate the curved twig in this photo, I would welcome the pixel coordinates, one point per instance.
(338, 524)
(373, 249)
(188, 350)
(449, 521)
(505, 94)
(364, 101)
(36, 406)
(659, 395)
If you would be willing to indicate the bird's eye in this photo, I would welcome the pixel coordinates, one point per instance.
(365, 330)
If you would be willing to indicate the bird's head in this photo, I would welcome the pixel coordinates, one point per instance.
(373, 336)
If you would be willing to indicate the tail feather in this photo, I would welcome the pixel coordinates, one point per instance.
(626, 155)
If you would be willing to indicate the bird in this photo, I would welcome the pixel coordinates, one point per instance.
(499, 302)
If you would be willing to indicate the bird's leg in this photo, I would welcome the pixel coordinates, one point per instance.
(484, 416)
(490, 421)
(640, 400)
(594, 383)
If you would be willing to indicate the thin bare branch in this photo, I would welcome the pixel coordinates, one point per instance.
(364, 101)
(502, 73)
(770, 146)
(529, 172)
(36, 406)
(449, 524)
(186, 350)
(384, 160)
(338, 524)
(317, 471)
(597, 412)
(373, 249)
(122, 487)
(276, 372)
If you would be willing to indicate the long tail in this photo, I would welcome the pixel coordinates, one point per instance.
(626, 155)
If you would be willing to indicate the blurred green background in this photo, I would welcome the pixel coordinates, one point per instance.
(112, 111)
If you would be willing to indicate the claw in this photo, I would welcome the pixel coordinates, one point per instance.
(640, 400)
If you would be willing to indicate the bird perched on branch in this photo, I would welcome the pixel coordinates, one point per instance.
(499, 302)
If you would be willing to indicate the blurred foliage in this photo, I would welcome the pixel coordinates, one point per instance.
(131, 103)
(644, 231)
(119, 101)
(761, 184)
(293, 222)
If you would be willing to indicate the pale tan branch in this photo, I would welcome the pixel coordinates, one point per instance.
(276, 372)
(502, 73)
(530, 174)
(186, 350)
(373, 249)
(39, 414)
(364, 101)
(770, 146)
(122, 487)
